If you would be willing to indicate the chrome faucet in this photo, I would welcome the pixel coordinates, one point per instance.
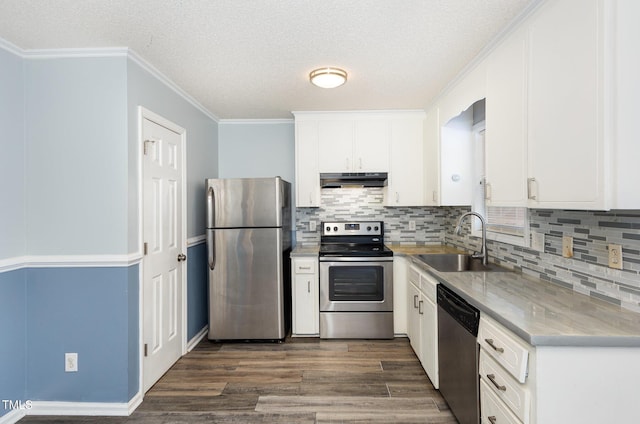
(483, 252)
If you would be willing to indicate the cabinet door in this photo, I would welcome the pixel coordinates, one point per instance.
(335, 139)
(429, 338)
(505, 136)
(305, 301)
(413, 318)
(406, 178)
(400, 282)
(431, 167)
(307, 175)
(566, 100)
(371, 145)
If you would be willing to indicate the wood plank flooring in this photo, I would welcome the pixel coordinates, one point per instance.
(298, 381)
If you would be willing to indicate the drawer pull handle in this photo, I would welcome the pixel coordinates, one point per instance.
(415, 301)
(492, 419)
(496, 348)
(492, 379)
(304, 267)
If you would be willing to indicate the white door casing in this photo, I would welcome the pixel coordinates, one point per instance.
(164, 244)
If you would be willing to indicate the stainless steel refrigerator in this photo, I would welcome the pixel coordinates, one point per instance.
(248, 243)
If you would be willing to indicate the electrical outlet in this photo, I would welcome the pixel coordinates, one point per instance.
(70, 362)
(312, 225)
(537, 241)
(615, 256)
(567, 246)
(412, 225)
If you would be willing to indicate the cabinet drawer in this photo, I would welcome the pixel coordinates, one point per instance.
(428, 286)
(414, 276)
(492, 409)
(506, 349)
(304, 266)
(516, 396)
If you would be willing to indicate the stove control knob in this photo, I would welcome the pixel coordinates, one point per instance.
(368, 228)
(328, 229)
(375, 228)
(335, 228)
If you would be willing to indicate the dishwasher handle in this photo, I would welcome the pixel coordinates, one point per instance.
(467, 315)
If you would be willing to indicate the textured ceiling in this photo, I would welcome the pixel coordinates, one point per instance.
(250, 59)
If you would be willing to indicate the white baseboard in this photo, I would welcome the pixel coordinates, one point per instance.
(197, 338)
(79, 408)
(13, 417)
(135, 402)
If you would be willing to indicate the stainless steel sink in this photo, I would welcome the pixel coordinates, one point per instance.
(451, 262)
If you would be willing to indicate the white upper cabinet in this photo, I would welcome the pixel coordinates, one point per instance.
(406, 180)
(431, 159)
(567, 98)
(361, 141)
(307, 176)
(371, 145)
(505, 135)
(350, 144)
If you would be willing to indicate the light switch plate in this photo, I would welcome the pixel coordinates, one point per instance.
(615, 256)
(567, 246)
(537, 241)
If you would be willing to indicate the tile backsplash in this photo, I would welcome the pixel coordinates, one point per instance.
(587, 272)
(367, 204)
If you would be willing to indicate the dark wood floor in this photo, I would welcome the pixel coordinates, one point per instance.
(298, 381)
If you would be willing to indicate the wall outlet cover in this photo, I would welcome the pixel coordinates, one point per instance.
(567, 246)
(312, 225)
(537, 241)
(70, 362)
(615, 256)
(412, 225)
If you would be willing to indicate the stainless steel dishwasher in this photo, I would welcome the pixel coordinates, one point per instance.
(458, 352)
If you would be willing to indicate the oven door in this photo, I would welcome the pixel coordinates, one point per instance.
(356, 285)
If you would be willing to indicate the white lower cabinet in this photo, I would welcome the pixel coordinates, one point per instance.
(305, 296)
(492, 410)
(422, 321)
(505, 395)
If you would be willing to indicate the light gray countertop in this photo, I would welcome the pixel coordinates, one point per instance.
(542, 313)
(305, 250)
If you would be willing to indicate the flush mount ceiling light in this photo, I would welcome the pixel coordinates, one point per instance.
(328, 77)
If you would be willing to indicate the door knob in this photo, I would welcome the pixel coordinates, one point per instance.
(182, 257)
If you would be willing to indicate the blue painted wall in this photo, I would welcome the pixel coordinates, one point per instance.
(76, 149)
(197, 290)
(12, 156)
(69, 169)
(259, 149)
(83, 310)
(13, 347)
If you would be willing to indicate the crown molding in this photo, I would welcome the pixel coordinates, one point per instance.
(255, 121)
(37, 54)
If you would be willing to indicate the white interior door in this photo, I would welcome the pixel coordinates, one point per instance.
(163, 263)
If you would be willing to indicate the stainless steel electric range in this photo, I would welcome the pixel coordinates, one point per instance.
(356, 281)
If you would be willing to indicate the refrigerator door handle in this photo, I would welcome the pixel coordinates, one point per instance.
(211, 248)
(211, 208)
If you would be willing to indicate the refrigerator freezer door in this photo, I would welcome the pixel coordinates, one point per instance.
(248, 202)
(246, 285)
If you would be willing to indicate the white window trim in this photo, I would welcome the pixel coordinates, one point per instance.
(476, 229)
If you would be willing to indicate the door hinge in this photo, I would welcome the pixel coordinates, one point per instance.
(144, 249)
(145, 349)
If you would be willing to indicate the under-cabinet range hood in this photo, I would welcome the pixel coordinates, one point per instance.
(353, 179)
